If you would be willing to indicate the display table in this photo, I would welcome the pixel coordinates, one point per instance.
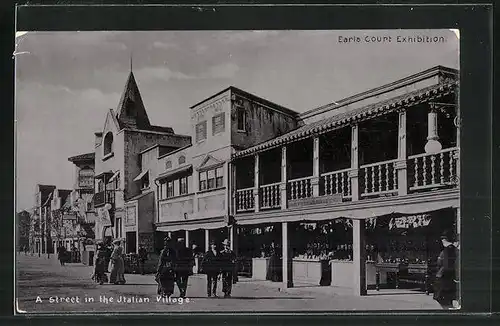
(405, 273)
(259, 268)
(343, 273)
(314, 271)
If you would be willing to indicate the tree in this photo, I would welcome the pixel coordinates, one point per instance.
(24, 224)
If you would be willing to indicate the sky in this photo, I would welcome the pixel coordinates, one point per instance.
(66, 81)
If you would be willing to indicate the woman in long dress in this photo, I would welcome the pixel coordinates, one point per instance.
(100, 265)
(117, 264)
(445, 288)
(165, 275)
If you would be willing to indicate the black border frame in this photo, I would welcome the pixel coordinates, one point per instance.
(476, 43)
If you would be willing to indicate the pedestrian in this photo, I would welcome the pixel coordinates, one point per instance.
(165, 274)
(61, 255)
(183, 266)
(143, 257)
(274, 270)
(100, 265)
(445, 289)
(210, 266)
(228, 264)
(117, 264)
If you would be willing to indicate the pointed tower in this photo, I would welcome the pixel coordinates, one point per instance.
(131, 112)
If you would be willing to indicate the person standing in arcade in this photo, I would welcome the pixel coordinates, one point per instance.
(227, 263)
(445, 287)
(183, 266)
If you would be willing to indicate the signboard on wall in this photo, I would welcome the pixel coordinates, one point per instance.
(412, 221)
(86, 178)
(130, 216)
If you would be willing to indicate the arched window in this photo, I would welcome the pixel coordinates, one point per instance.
(108, 143)
(182, 159)
(168, 165)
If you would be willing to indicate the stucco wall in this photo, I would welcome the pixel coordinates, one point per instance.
(262, 122)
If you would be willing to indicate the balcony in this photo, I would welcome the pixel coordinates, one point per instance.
(104, 197)
(423, 172)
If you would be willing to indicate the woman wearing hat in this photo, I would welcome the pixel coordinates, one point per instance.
(117, 264)
(100, 265)
(445, 290)
(165, 275)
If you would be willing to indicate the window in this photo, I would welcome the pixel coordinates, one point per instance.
(182, 159)
(211, 179)
(203, 181)
(163, 190)
(108, 144)
(201, 131)
(170, 189)
(218, 123)
(219, 177)
(183, 185)
(168, 165)
(118, 227)
(145, 181)
(241, 117)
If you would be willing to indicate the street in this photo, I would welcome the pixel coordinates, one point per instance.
(43, 286)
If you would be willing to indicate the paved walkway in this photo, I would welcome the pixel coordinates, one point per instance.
(69, 289)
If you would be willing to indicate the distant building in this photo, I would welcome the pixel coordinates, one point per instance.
(23, 230)
(40, 238)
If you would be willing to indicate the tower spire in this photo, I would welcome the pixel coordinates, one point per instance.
(131, 61)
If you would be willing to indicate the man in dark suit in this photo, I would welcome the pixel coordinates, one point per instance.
(210, 266)
(184, 266)
(227, 263)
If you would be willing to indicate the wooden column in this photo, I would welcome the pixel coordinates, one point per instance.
(359, 257)
(401, 164)
(283, 185)
(196, 187)
(354, 173)
(458, 266)
(232, 190)
(207, 239)
(315, 179)
(233, 238)
(286, 257)
(256, 183)
(187, 239)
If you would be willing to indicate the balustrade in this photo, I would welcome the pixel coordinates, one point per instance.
(378, 178)
(245, 199)
(424, 172)
(336, 182)
(270, 196)
(299, 188)
(427, 171)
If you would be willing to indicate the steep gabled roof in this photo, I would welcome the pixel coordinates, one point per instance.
(131, 112)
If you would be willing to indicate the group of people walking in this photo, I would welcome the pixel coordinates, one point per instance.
(176, 263)
(112, 260)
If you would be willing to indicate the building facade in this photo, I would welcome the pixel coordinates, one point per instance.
(39, 237)
(126, 133)
(384, 164)
(193, 183)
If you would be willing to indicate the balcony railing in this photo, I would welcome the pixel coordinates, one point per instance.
(104, 197)
(270, 196)
(427, 171)
(336, 182)
(378, 178)
(424, 172)
(245, 199)
(299, 188)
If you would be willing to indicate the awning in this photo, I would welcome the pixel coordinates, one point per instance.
(141, 175)
(114, 176)
(103, 175)
(176, 172)
(191, 225)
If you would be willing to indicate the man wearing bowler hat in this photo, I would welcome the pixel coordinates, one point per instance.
(211, 266)
(445, 287)
(228, 262)
(183, 266)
